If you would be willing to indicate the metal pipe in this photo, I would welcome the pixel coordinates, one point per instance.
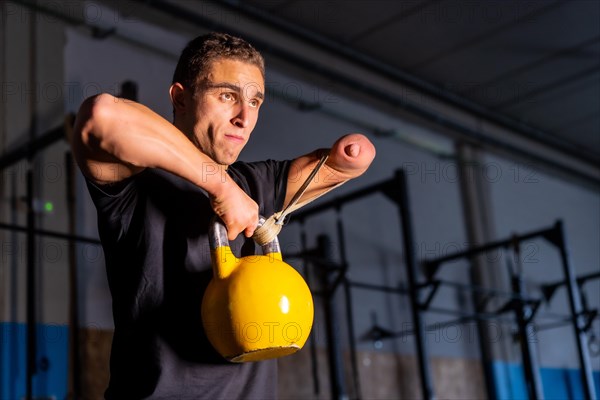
(380, 288)
(31, 277)
(352, 334)
(531, 370)
(32, 146)
(58, 235)
(74, 348)
(577, 322)
(313, 346)
(431, 266)
(31, 291)
(550, 288)
(357, 194)
(427, 390)
(445, 324)
(348, 303)
(334, 350)
(484, 290)
(477, 316)
(584, 278)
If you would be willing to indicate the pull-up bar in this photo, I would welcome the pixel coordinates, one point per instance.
(387, 187)
(396, 190)
(430, 267)
(556, 236)
(550, 288)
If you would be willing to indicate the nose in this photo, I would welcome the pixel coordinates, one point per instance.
(241, 117)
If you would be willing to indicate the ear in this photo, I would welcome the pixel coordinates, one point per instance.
(177, 94)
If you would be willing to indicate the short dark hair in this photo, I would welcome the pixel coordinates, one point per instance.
(199, 54)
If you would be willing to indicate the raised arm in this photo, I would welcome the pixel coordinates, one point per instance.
(114, 139)
(349, 157)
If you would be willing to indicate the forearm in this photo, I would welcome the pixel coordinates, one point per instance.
(116, 138)
(349, 157)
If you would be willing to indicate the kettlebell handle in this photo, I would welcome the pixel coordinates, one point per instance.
(217, 236)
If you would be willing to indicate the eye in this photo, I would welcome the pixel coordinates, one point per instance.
(227, 96)
(254, 103)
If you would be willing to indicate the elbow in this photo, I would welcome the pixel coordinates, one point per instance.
(92, 117)
(98, 108)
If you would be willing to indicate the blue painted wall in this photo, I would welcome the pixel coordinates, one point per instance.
(558, 383)
(52, 377)
(52, 354)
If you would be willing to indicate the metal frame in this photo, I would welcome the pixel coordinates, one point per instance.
(28, 151)
(556, 236)
(518, 301)
(397, 191)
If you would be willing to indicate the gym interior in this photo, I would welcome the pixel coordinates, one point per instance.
(464, 264)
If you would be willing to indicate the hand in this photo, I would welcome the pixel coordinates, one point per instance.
(236, 209)
(350, 156)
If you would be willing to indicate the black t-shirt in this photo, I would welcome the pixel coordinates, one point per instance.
(153, 229)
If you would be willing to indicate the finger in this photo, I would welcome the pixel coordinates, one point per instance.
(231, 234)
(248, 232)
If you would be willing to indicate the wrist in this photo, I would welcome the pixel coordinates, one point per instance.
(214, 179)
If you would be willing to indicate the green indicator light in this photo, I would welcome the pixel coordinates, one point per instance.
(48, 206)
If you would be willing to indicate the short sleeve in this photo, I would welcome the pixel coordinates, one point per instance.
(115, 205)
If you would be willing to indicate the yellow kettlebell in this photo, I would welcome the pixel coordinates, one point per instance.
(255, 307)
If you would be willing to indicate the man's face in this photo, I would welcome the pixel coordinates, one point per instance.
(225, 110)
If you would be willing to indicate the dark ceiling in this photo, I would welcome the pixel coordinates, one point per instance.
(533, 63)
(532, 66)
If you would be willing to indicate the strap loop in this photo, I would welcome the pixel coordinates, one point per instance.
(272, 226)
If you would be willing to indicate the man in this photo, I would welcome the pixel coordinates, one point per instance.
(156, 185)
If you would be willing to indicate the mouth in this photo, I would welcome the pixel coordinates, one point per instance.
(235, 138)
